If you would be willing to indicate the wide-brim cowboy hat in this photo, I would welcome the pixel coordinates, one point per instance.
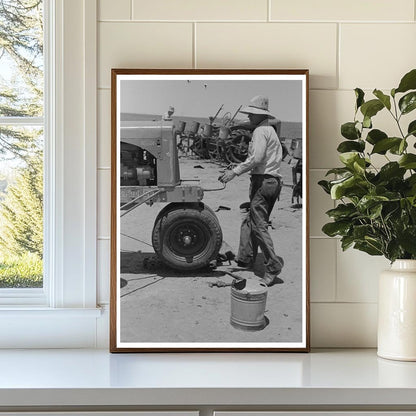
(258, 105)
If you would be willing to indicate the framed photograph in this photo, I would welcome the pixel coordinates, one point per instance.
(209, 213)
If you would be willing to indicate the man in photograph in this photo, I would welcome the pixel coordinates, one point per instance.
(263, 161)
(169, 114)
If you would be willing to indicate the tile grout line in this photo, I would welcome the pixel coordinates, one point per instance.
(322, 237)
(310, 89)
(306, 22)
(269, 11)
(131, 9)
(346, 302)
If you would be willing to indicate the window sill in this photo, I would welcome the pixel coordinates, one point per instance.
(40, 327)
(35, 312)
(323, 379)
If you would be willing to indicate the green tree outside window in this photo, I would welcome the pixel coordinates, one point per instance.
(21, 144)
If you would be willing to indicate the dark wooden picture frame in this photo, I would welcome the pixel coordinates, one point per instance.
(185, 291)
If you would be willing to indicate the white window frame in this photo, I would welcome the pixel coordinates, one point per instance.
(64, 313)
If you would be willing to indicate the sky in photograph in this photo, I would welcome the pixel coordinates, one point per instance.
(203, 98)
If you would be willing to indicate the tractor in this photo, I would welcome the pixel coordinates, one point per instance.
(186, 234)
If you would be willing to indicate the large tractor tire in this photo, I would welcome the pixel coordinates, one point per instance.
(186, 236)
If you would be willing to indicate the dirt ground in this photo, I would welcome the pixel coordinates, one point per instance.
(161, 305)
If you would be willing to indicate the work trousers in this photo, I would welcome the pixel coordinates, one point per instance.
(264, 191)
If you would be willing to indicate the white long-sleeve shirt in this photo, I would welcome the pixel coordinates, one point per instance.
(264, 153)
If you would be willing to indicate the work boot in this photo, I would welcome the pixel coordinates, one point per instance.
(245, 265)
(271, 279)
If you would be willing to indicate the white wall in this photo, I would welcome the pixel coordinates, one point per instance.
(345, 44)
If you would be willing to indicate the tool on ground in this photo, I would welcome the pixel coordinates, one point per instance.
(219, 283)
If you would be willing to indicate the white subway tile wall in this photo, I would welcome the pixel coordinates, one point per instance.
(270, 45)
(323, 269)
(104, 202)
(357, 275)
(145, 45)
(355, 10)
(345, 44)
(376, 55)
(200, 10)
(104, 128)
(114, 10)
(339, 325)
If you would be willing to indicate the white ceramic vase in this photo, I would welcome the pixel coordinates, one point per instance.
(397, 312)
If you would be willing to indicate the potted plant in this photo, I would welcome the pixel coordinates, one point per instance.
(376, 209)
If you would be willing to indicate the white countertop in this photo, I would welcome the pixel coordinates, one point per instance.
(96, 377)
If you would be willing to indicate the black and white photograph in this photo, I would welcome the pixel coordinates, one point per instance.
(209, 235)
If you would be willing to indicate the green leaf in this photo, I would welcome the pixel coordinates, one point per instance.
(359, 95)
(338, 188)
(402, 147)
(393, 250)
(369, 201)
(411, 185)
(349, 131)
(411, 180)
(346, 242)
(338, 171)
(359, 165)
(398, 149)
(393, 92)
(361, 231)
(408, 82)
(412, 201)
(375, 136)
(375, 211)
(385, 99)
(368, 248)
(383, 145)
(352, 185)
(342, 211)
(374, 242)
(391, 212)
(408, 102)
(367, 122)
(371, 108)
(325, 186)
(349, 146)
(336, 228)
(348, 158)
(391, 170)
(408, 161)
(411, 130)
(407, 240)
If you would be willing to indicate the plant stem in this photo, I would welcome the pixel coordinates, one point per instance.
(397, 118)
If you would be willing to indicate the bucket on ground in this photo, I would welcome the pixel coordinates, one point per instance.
(248, 304)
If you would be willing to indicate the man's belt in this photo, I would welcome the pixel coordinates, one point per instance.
(265, 176)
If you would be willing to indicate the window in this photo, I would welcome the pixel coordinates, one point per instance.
(63, 313)
(21, 143)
